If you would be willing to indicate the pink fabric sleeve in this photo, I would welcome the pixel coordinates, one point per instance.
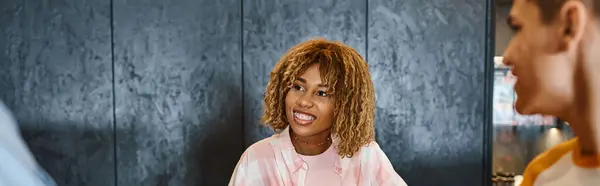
(386, 175)
(239, 176)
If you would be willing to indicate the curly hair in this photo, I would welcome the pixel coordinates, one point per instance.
(348, 79)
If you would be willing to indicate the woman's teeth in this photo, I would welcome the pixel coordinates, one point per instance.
(304, 116)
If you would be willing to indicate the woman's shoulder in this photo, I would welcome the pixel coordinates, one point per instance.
(370, 153)
(262, 145)
(370, 150)
(262, 149)
(370, 147)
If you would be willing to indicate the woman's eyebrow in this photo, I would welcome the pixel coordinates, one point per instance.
(304, 81)
(301, 80)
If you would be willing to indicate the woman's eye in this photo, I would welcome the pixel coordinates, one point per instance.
(322, 93)
(297, 87)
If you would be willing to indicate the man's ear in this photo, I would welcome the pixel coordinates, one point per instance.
(571, 21)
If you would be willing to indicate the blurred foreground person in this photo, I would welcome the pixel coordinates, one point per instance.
(555, 55)
(320, 102)
(17, 166)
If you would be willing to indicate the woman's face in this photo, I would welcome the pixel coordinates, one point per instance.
(309, 109)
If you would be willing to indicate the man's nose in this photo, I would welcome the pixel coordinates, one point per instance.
(507, 58)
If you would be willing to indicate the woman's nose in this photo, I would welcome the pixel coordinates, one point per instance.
(305, 102)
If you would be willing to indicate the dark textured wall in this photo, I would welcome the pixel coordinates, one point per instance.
(55, 75)
(188, 76)
(427, 62)
(178, 91)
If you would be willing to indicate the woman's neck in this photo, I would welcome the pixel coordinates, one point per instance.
(311, 145)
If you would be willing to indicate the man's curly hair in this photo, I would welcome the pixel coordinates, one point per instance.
(347, 76)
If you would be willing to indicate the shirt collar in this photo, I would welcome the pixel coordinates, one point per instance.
(293, 161)
(590, 161)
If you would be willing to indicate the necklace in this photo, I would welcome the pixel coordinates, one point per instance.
(306, 143)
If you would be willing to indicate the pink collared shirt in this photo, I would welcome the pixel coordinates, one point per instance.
(274, 162)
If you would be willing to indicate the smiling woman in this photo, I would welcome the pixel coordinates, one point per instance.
(320, 102)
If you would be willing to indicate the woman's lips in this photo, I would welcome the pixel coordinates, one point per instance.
(303, 118)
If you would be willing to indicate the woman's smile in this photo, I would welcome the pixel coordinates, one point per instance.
(303, 118)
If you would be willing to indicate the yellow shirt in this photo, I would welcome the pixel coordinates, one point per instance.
(563, 165)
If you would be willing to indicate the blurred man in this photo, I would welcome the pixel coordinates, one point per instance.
(17, 166)
(555, 55)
